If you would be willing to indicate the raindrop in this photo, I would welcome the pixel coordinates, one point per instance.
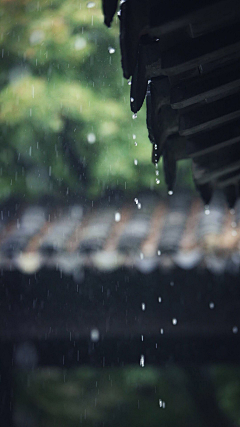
(174, 321)
(159, 299)
(234, 224)
(94, 335)
(211, 305)
(141, 337)
(171, 283)
(158, 181)
(157, 172)
(159, 252)
(111, 50)
(139, 205)
(155, 146)
(161, 331)
(234, 233)
(142, 361)
(135, 162)
(134, 136)
(170, 193)
(136, 200)
(134, 116)
(91, 138)
(135, 143)
(36, 37)
(80, 43)
(235, 329)
(129, 82)
(132, 99)
(141, 255)
(143, 306)
(232, 211)
(90, 4)
(117, 217)
(161, 404)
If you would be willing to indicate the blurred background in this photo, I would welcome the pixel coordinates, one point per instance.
(66, 125)
(67, 134)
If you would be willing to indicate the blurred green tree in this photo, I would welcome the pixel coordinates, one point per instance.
(66, 127)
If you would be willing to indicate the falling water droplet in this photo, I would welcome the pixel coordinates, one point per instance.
(134, 116)
(159, 299)
(141, 337)
(141, 255)
(211, 305)
(143, 306)
(157, 172)
(111, 50)
(117, 216)
(132, 99)
(94, 335)
(142, 361)
(170, 193)
(161, 404)
(159, 252)
(235, 329)
(161, 331)
(174, 321)
(134, 136)
(158, 181)
(139, 205)
(90, 4)
(135, 143)
(135, 162)
(136, 200)
(91, 138)
(129, 82)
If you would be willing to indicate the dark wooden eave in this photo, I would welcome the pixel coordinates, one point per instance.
(185, 57)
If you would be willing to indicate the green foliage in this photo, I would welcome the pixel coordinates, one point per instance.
(66, 126)
(127, 396)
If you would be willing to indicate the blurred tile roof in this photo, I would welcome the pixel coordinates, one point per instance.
(145, 234)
